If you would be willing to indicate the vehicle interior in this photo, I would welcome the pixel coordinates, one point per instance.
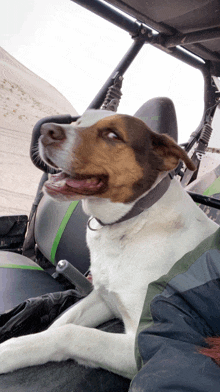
(46, 252)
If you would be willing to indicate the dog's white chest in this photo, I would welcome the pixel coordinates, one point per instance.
(123, 263)
(111, 269)
(126, 257)
(108, 264)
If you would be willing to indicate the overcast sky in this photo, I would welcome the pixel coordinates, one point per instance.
(76, 51)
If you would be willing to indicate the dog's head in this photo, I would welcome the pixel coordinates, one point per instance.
(106, 155)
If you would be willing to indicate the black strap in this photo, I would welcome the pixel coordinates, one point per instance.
(142, 204)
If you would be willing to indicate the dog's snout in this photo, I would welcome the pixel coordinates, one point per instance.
(52, 133)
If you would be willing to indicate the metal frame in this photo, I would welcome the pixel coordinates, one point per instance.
(142, 34)
(111, 14)
(168, 42)
(205, 200)
(119, 70)
(165, 42)
(167, 38)
(191, 38)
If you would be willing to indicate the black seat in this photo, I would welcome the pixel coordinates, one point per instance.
(21, 279)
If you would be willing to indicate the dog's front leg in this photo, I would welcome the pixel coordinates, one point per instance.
(91, 311)
(95, 348)
(28, 350)
(42, 347)
(88, 346)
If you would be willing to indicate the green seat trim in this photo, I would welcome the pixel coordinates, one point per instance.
(61, 229)
(213, 188)
(19, 266)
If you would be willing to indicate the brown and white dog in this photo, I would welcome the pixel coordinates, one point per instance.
(111, 162)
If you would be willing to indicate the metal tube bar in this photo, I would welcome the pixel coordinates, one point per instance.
(190, 38)
(162, 42)
(110, 14)
(121, 68)
(183, 55)
(136, 29)
(206, 200)
(209, 90)
(127, 60)
(209, 101)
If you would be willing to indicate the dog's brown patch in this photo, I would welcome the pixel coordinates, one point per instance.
(97, 154)
(170, 152)
(132, 161)
(125, 154)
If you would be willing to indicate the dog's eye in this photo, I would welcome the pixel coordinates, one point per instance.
(112, 135)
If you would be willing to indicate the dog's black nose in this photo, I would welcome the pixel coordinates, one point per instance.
(52, 133)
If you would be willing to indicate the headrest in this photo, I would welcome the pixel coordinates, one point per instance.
(159, 114)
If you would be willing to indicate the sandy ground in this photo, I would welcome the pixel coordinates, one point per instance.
(24, 99)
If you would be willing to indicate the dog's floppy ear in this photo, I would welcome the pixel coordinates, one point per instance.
(166, 148)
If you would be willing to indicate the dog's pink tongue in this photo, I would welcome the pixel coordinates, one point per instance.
(61, 181)
(88, 183)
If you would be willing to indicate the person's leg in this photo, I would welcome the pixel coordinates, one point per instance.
(177, 366)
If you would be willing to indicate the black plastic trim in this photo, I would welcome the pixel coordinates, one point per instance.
(206, 200)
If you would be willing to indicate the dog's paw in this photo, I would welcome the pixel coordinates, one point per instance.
(22, 352)
(9, 356)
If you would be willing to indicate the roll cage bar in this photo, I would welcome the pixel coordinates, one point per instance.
(142, 34)
(171, 44)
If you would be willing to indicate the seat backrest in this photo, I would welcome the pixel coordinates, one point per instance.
(160, 116)
(60, 228)
(60, 232)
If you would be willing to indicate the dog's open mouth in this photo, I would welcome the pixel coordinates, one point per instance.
(78, 185)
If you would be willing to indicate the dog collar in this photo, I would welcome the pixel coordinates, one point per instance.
(142, 204)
